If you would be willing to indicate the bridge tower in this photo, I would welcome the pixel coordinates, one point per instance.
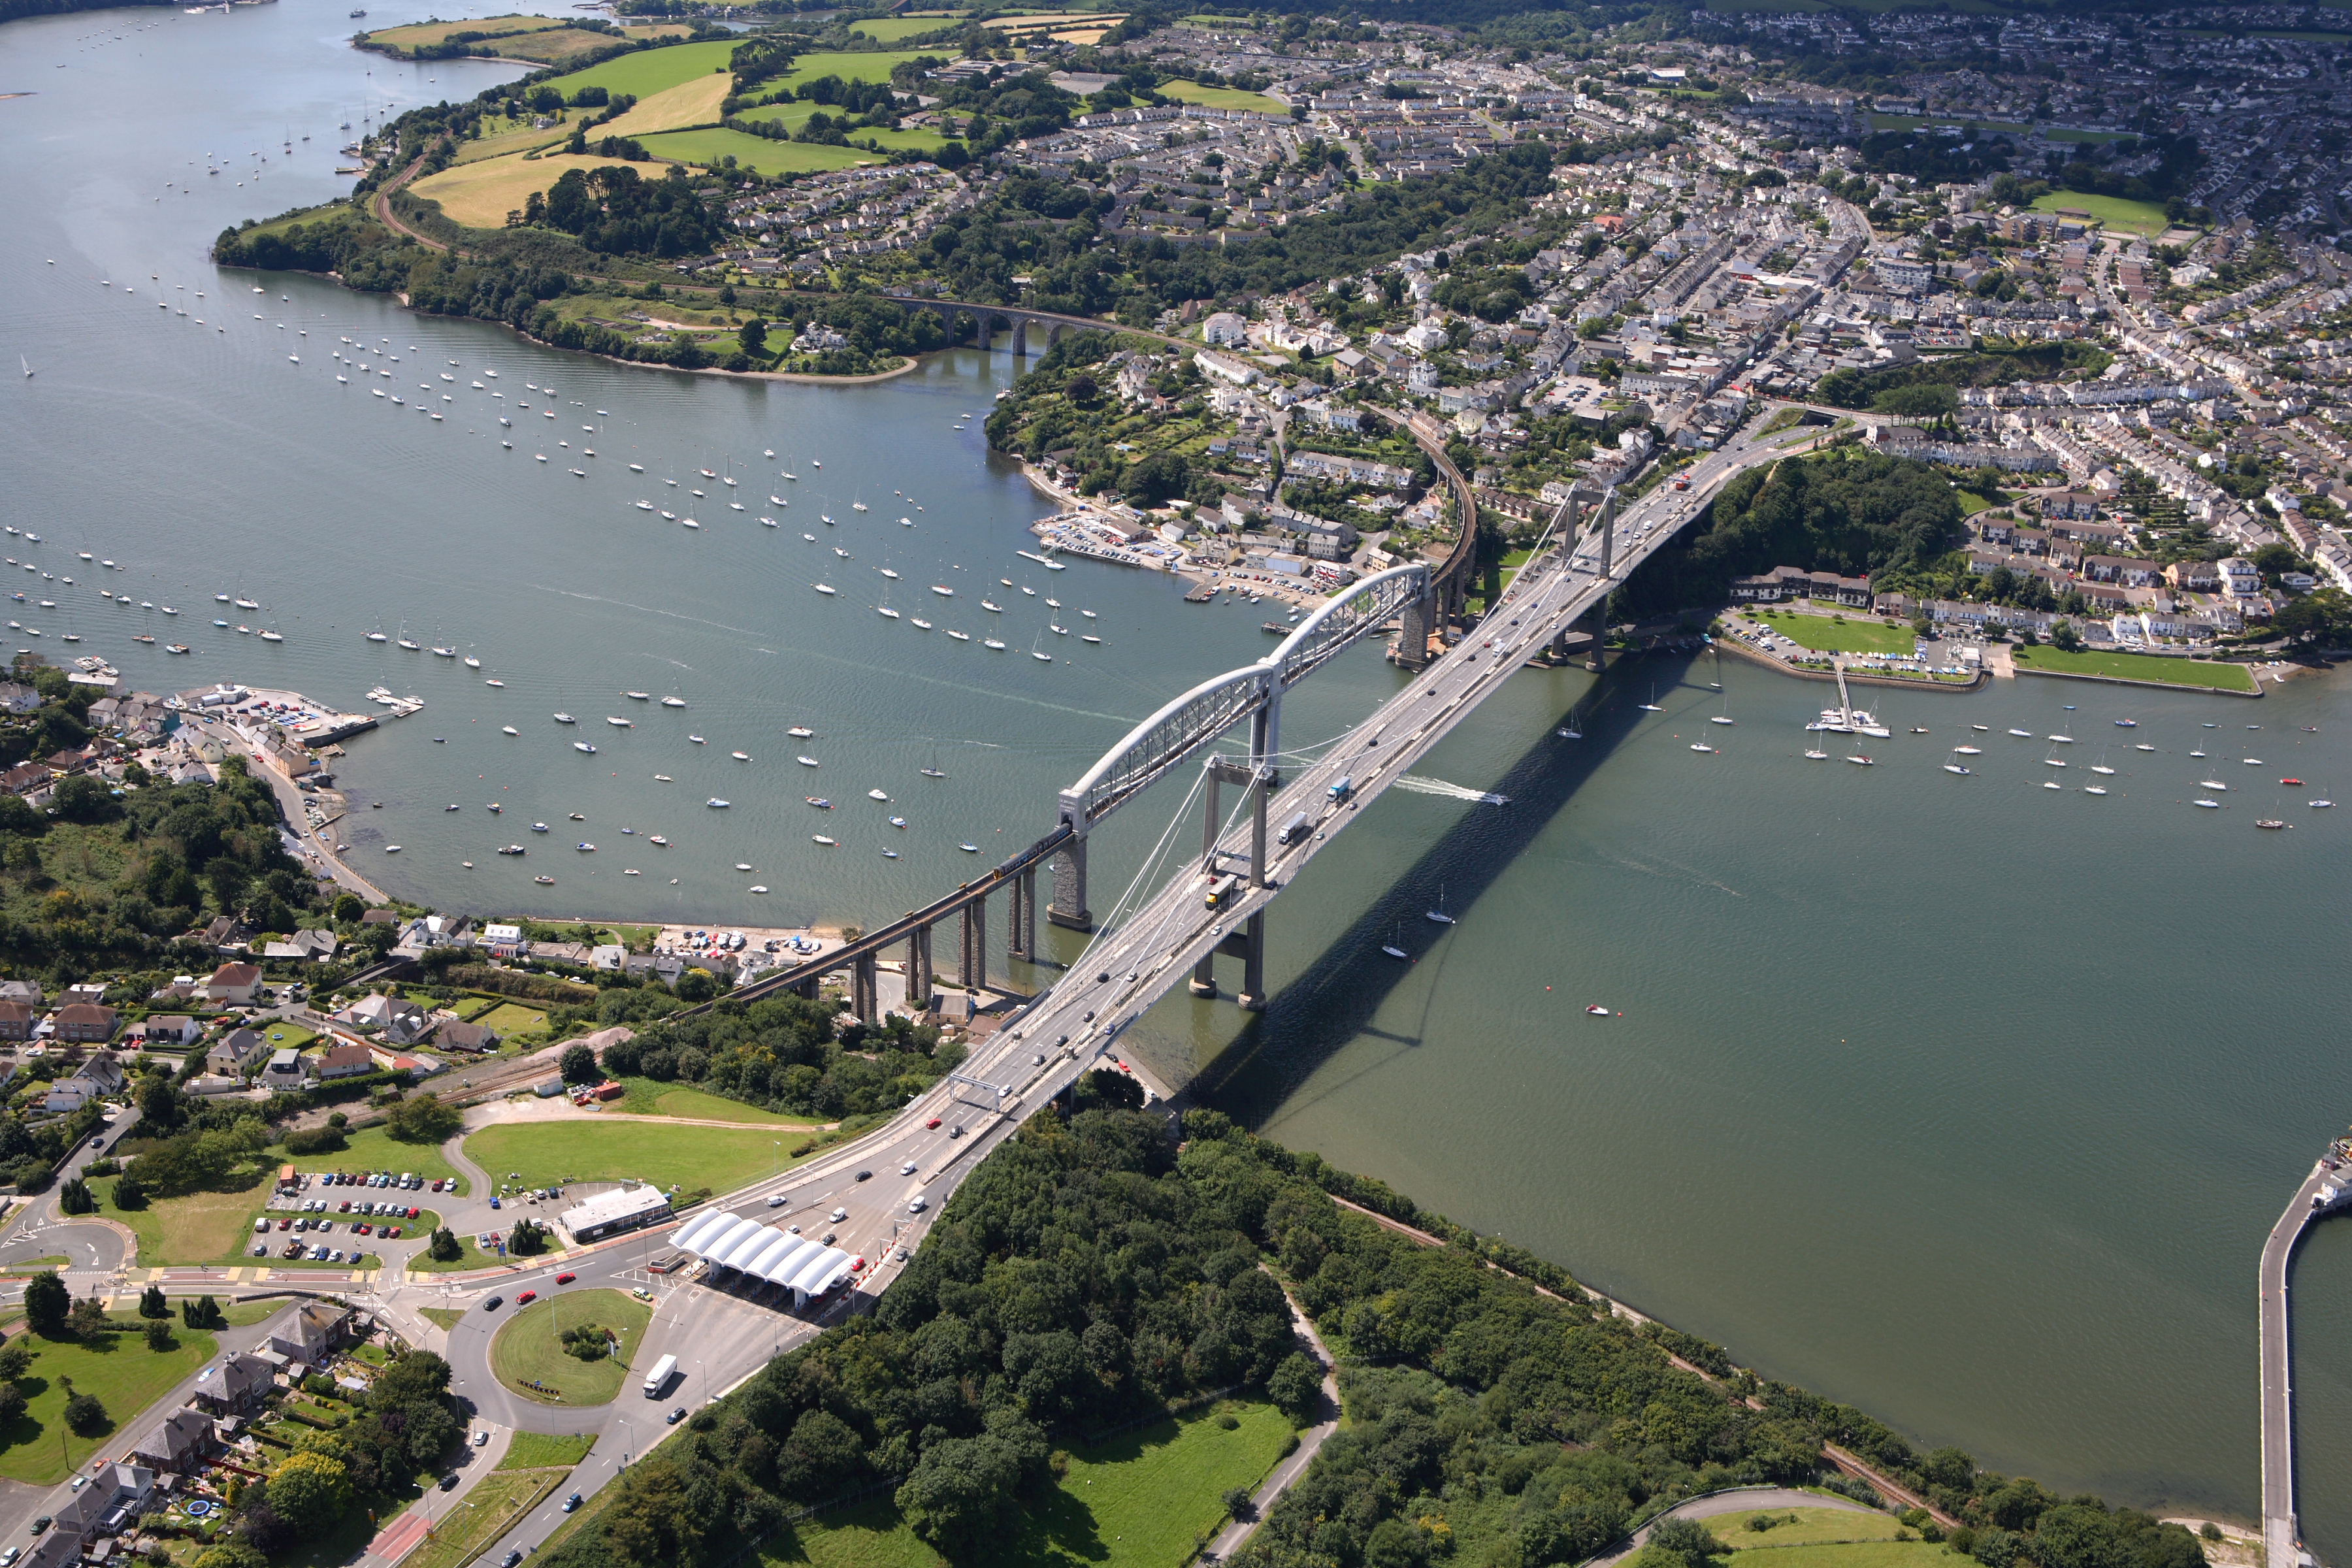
(1068, 908)
(1414, 623)
(1597, 659)
(1245, 942)
(1567, 515)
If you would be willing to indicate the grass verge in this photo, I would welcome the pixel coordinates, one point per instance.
(1800, 1527)
(2210, 674)
(547, 1451)
(557, 1154)
(488, 1512)
(529, 1359)
(442, 1317)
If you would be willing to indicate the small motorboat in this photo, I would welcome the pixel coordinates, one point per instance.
(759, 887)
(2126, 723)
(742, 865)
(897, 822)
(539, 827)
(564, 719)
(392, 848)
(544, 881)
(715, 803)
(818, 801)
(878, 794)
(584, 747)
(698, 740)
(2208, 805)
(662, 778)
(741, 756)
(821, 838)
(499, 684)
(659, 841)
(800, 732)
(969, 848)
(1596, 1010)
(808, 762)
(1696, 747)
(2291, 781)
(511, 849)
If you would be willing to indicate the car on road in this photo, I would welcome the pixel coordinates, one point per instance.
(78, 1482)
(481, 1437)
(511, 1559)
(526, 1299)
(934, 1121)
(838, 1215)
(565, 1278)
(775, 1199)
(828, 1239)
(571, 1503)
(494, 1303)
(494, 1200)
(676, 1416)
(908, 1169)
(641, 1293)
(41, 1524)
(865, 1176)
(918, 1203)
(957, 1131)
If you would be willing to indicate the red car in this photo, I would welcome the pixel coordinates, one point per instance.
(414, 1211)
(934, 1121)
(526, 1299)
(565, 1278)
(365, 1229)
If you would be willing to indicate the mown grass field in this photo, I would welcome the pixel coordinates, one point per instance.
(862, 66)
(527, 1349)
(2112, 212)
(651, 71)
(513, 1019)
(793, 116)
(692, 102)
(1220, 98)
(757, 153)
(647, 1097)
(550, 1153)
(479, 195)
(1134, 1502)
(1824, 634)
(1851, 1555)
(1800, 1527)
(546, 1451)
(119, 1369)
(373, 1149)
(891, 29)
(202, 1227)
(2138, 666)
(517, 137)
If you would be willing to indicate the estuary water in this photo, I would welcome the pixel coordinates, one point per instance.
(1960, 1099)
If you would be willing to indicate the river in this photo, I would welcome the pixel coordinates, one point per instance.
(1964, 1100)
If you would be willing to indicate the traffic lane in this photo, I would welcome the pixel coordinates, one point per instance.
(94, 1248)
(468, 1341)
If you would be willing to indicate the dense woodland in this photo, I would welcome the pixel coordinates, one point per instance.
(1091, 1271)
(780, 1053)
(1854, 512)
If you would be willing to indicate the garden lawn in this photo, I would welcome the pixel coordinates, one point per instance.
(1220, 98)
(527, 1351)
(1134, 1502)
(1825, 635)
(488, 1512)
(479, 195)
(2143, 218)
(757, 154)
(1813, 1527)
(120, 1370)
(555, 1153)
(2138, 666)
(513, 1019)
(373, 1149)
(546, 1451)
(650, 71)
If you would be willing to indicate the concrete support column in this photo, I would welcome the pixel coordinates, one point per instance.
(1021, 338)
(1069, 906)
(1253, 994)
(919, 972)
(972, 966)
(1259, 786)
(863, 994)
(1596, 658)
(1559, 651)
(1265, 729)
(1021, 918)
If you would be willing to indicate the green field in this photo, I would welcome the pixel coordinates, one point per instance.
(647, 1097)
(891, 29)
(643, 74)
(757, 154)
(2138, 666)
(553, 1153)
(1136, 1502)
(1824, 634)
(545, 1451)
(125, 1375)
(1220, 97)
(1852, 1554)
(2113, 212)
(1811, 1527)
(1972, 503)
(527, 1351)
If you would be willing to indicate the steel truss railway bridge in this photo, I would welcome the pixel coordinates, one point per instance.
(1172, 933)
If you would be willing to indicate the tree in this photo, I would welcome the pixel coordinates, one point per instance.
(754, 335)
(15, 1361)
(73, 1197)
(1236, 1500)
(1295, 1386)
(2064, 637)
(85, 1417)
(160, 1336)
(528, 1238)
(129, 1193)
(151, 1303)
(579, 1065)
(204, 1313)
(47, 1302)
(421, 1118)
(12, 1404)
(310, 1491)
(963, 1492)
(86, 1319)
(445, 1248)
(696, 986)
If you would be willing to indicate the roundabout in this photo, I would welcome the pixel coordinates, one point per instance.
(532, 1354)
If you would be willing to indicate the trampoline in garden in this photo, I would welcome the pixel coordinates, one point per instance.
(197, 1508)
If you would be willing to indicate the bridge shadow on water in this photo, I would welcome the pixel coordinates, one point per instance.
(1334, 999)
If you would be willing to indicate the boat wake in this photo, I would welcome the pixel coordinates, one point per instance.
(1420, 785)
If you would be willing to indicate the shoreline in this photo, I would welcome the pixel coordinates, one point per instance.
(1853, 678)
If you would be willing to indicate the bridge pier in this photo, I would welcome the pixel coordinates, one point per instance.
(1068, 908)
(920, 976)
(972, 962)
(1245, 942)
(864, 990)
(1021, 918)
(1414, 624)
(1021, 338)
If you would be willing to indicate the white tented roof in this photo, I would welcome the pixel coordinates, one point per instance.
(694, 1232)
(805, 1267)
(777, 1244)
